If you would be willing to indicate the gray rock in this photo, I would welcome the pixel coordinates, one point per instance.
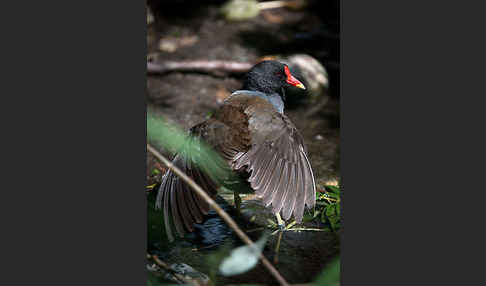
(188, 272)
(313, 72)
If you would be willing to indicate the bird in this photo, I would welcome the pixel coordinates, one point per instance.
(255, 140)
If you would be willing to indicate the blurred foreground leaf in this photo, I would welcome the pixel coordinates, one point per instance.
(160, 134)
(331, 275)
(163, 135)
(243, 258)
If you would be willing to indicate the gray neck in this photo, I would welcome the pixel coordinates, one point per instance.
(275, 99)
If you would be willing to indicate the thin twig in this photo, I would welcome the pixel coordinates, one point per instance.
(328, 199)
(171, 271)
(231, 223)
(277, 248)
(291, 224)
(307, 229)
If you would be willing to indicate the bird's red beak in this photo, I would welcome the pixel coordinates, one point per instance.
(292, 80)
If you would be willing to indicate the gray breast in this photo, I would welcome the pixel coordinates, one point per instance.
(275, 99)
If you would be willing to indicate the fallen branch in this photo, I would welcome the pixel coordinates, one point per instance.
(231, 223)
(294, 4)
(218, 67)
(237, 10)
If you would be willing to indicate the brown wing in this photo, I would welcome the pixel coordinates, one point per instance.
(280, 170)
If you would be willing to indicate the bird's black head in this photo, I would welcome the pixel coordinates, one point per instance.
(270, 77)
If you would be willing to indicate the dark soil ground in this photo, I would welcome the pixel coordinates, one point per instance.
(185, 99)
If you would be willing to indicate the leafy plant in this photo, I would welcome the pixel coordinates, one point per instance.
(155, 172)
(328, 201)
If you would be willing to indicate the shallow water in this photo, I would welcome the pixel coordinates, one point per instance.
(302, 254)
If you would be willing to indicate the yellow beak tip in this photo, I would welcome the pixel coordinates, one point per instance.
(300, 86)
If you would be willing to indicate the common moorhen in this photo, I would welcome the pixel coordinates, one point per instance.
(254, 137)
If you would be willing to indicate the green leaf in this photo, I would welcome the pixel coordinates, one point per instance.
(155, 171)
(334, 196)
(331, 210)
(332, 214)
(331, 274)
(209, 114)
(151, 186)
(333, 189)
(334, 192)
(323, 217)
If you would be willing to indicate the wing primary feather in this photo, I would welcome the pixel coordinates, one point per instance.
(289, 204)
(272, 183)
(286, 182)
(175, 213)
(255, 160)
(203, 206)
(162, 191)
(182, 205)
(193, 204)
(310, 199)
(260, 184)
(301, 191)
(193, 208)
(261, 164)
(269, 199)
(166, 192)
(245, 159)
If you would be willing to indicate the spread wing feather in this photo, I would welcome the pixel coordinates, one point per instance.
(251, 136)
(280, 170)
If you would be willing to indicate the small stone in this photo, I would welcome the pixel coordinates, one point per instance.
(167, 46)
(171, 44)
(238, 10)
(190, 273)
(319, 137)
